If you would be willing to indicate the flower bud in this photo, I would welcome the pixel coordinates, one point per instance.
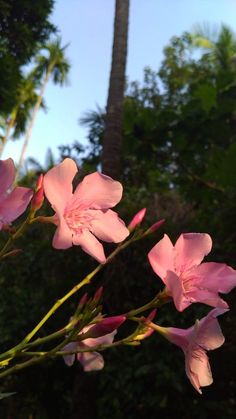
(151, 315)
(83, 300)
(106, 326)
(137, 219)
(154, 227)
(146, 331)
(38, 198)
(39, 183)
(98, 295)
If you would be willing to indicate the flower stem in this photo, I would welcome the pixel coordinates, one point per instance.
(13, 351)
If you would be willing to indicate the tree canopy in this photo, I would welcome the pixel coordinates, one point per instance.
(23, 27)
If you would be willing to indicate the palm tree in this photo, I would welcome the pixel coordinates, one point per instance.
(25, 100)
(52, 64)
(112, 138)
(219, 44)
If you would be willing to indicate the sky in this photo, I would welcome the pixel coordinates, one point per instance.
(87, 26)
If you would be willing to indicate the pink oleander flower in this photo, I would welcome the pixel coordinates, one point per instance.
(12, 202)
(103, 334)
(204, 336)
(186, 279)
(84, 214)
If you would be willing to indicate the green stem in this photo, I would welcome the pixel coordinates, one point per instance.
(39, 357)
(160, 299)
(13, 351)
(76, 288)
(15, 236)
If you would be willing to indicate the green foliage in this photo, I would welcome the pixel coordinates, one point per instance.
(23, 26)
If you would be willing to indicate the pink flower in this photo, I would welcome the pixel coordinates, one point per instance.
(103, 334)
(12, 203)
(204, 336)
(186, 279)
(84, 214)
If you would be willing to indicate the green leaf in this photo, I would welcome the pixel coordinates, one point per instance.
(206, 93)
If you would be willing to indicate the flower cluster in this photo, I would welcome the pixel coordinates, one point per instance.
(84, 218)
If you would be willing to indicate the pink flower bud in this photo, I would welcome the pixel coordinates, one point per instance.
(138, 218)
(106, 326)
(39, 183)
(83, 300)
(98, 295)
(38, 198)
(155, 227)
(146, 331)
(151, 315)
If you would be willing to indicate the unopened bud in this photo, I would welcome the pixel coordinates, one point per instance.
(38, 198)
(83, 300)
(106, 326)
(98, 295)
(154, 227)
(39, 183)
(138, 218)
(151, 315)
(146, 331)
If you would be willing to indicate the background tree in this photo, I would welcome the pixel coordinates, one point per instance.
(52, 64)
(16, 122)
(22, 27)
(114, 111)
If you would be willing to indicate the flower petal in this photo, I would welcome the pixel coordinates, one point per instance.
(179, 337)
(209, 334)
(15, 204)
(101, 340)
(175, 287)
(58, 184)
(161, 257)
(107, 226)
(63, 236)
(216, 277)
(206, 297)
(198, 368)
(190, 249)
(7, 175)
(90, 245)
(91, 361)
(70, 347)
(98, 191)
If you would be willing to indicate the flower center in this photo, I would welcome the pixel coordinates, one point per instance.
(187, 280)
(78, 218)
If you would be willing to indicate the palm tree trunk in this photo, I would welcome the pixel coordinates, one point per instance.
(32, 120)
(112, 138)
(10, 125)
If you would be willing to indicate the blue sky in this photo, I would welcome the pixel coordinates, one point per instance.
(87, 25)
